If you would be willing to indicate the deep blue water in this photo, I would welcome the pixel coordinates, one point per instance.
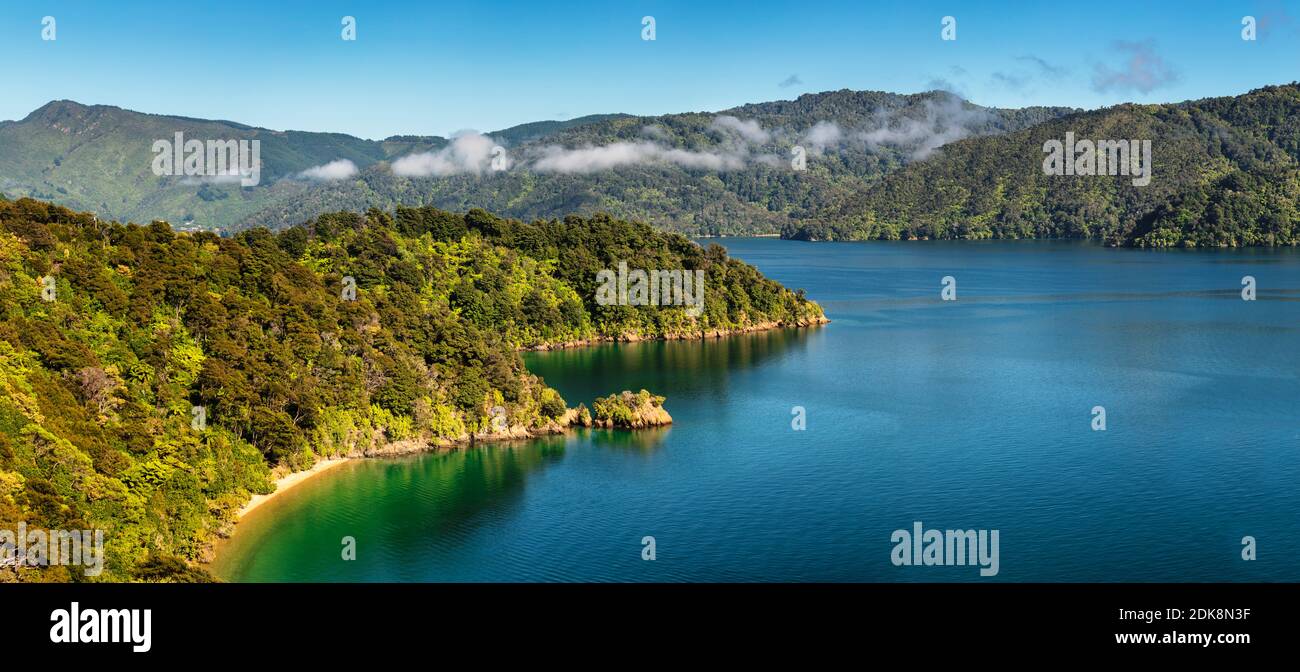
(971, 414)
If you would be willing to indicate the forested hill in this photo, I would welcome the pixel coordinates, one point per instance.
(698, 172)
(536, 130)
(99, 158)
(726, 172)
(112, 335)
(1225, 172)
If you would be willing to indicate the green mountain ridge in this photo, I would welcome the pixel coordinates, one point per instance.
(1225, 172)
(880, 165)
(98, 158)
(763, 196)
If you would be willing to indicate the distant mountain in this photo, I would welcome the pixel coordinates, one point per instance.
(711, 173)
(1224, 172)
(99, 158)
(728, 172)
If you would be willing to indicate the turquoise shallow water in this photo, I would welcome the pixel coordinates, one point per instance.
(973, 414)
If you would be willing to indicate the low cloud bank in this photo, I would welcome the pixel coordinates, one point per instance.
(740, 143)
(749, 131)
(940, 122)
(557, 159)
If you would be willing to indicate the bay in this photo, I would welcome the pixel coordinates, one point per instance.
(966, 414)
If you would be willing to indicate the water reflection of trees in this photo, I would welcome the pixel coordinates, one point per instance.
(642, 440)
(432, 505)
(456, 491)
(664, 367)
(441, 497)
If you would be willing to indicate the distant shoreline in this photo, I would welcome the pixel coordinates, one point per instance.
(712, 334)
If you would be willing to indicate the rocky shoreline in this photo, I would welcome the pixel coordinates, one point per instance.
(517, 432)
(287, 480)
(701, 335)
(646, 415)
(573, 416)
(630, 411)
(641, 414)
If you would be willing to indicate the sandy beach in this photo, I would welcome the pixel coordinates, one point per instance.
(286, 483)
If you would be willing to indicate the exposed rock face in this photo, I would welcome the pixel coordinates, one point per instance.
(577, 416)
(380, 448)
(630, 411)
(622, 411)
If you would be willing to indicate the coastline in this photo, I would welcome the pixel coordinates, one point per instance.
(408, 447)
(398, 448)
(289, 481)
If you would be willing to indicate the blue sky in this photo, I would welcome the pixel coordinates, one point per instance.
(434, 67)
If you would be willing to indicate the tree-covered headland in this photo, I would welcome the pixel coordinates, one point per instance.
(152, 380)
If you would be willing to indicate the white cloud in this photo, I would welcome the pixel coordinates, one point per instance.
(469, 152)
(340, 169)
(750, 130)
(605, 157)
(733, 153)
(944, 120)
(823, 134)
(918, 131)
(231, 175)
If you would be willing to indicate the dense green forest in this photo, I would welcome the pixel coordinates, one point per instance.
(113, 334)
(1226, 172)
(628, 410)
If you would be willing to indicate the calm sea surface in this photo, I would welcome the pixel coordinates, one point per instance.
(971, 414)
